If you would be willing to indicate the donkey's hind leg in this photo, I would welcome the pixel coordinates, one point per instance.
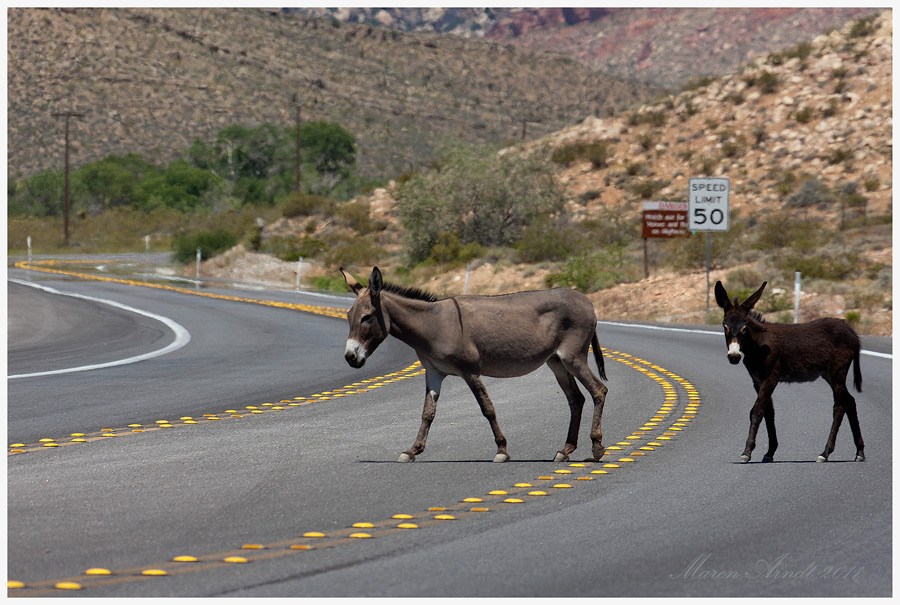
(769, 417)
(433, 381)
(844, 403)
(837, 417)
(576, 405)
(850, 410)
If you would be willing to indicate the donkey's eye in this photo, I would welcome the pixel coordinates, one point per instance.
(727, 329)
(743, 330)
(367, 319)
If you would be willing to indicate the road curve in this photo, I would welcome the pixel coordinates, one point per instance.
(45, 332)
(679, 518)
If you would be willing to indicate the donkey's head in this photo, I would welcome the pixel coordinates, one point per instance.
(368, 326)
(738, 321)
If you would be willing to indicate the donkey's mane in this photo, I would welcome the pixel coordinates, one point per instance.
(410, 292)
(756, 315)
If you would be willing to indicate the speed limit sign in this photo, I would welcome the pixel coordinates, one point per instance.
(708, 204)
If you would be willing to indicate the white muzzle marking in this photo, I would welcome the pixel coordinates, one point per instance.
(354, 352)
(734, 351)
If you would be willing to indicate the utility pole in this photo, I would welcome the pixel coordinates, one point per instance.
(297, 144)
(67, 115)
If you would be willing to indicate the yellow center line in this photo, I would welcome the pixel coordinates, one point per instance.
(50, 266)
(655, 437)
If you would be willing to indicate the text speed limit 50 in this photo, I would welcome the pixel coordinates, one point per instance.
(708, 204)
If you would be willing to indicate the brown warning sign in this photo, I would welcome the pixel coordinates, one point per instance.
(665, 219)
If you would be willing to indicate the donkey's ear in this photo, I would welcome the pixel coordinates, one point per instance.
(354, 285)
(722, 296)
(376, 283)
(753, 298)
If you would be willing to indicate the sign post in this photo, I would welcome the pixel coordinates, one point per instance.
(663, 219)
(708, 211)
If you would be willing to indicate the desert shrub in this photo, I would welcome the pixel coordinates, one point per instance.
(743, 279)
(819, 266)
(759, 134)
(210, 243)
(597, 152)
(863, 27)
(698, 83)
(595, 271)
(812, 193)
(633, 168)
(356, 216)
(706, 164)
(329, 283)
(767, 82)
(839, 156)
(736, 97)
(354, 251)
(646, 140)
(804, 115)
(590, 194)
(773, 302)
(778, 232)
(450, 251)
(545, 241)
(646, 188)
(733, 147)
(306, 204)
(291, 248)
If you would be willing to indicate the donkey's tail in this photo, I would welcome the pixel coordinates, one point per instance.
(857, 373)
(598, 356)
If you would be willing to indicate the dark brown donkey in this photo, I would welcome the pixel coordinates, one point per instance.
(776, 353)
(474, 336)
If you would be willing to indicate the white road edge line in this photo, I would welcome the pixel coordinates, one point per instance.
(714, 333)
(182, 336)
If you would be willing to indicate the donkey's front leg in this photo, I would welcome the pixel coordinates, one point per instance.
(433, 381)
(757, 413)
(487, 408)
(576, 405)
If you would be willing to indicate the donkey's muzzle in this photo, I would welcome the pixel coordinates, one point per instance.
(734, 353)
(355, 354)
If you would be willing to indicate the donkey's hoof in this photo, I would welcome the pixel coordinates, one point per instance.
(501, 458)
(560, 457)
(767, 459)
(860, 458)
(821, 459)
(404, 457)
(745, 459)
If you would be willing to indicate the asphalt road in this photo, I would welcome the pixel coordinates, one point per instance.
(682, 519)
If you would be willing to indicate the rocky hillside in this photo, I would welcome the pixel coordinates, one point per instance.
(152, 80)
(662, 46)
(803, 134)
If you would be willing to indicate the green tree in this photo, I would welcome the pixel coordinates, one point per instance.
(41, 194)
(253, 152)
(180, 186)
(478, 194)
(330, 148)
(113, 181)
